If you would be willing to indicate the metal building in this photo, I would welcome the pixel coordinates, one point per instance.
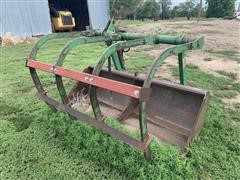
(24, 18)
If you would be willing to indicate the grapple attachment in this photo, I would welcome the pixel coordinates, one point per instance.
(173, 113)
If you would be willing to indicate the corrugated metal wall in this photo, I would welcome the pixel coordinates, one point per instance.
(25, 18)
(98, 13)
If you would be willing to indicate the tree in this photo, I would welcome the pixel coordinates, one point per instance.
(145, 10)
(165, 8)
(187, 9)
(155, 9)
(220, 8)
(124, 8)
(199, 10)
(174, 12)
(149, 9)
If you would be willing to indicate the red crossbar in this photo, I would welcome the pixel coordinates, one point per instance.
(115, 86)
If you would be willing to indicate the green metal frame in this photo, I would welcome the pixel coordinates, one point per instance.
(74, 43)
(179, 49)
(122, 41)
(106, 54)
(41, 42)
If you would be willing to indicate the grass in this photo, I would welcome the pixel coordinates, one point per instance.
(231, 75)
(227, 54)
(207, 59)
(36, 143)
(125, 23)
(219, 87)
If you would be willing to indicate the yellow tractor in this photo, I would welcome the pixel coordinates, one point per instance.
(62, 19)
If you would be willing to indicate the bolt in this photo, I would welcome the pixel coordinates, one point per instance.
(136, 93)
(52, 69)
(91, 79)
(86, 78)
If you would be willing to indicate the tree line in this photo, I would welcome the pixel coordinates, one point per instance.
(163, 9)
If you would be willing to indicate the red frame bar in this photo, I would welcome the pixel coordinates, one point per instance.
(115, 86)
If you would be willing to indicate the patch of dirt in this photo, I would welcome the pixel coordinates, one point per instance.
(231, 101)
(109, 112)
(8, 39)
(197, 58)
(132, 124)
(220, 35)
(164, 71)
(216, 63)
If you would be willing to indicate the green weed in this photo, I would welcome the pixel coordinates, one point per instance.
(125, 23)
(226, 54)
(231, 75)
(207, 59)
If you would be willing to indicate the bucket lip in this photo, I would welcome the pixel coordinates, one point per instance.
(165, 83)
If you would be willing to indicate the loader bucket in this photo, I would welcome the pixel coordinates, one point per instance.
(173, 113)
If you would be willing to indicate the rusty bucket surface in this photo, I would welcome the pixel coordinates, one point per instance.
(175, 113)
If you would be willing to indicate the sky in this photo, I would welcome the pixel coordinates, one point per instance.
(176, 2)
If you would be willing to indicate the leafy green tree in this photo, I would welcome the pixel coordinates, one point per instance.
(155, 9)
(187, 9)
(220, 8)
(124, 8)
(149, 9)
(145, 10)
(173, 13)
(165, 8)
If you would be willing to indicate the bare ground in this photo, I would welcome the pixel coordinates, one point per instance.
(221, 52)
(220, 36)
(8, 39)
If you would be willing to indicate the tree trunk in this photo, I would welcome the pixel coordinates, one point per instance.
(162, 11)
(188, 15)
(199, 11)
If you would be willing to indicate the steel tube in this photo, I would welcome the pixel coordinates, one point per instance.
(159, 39)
